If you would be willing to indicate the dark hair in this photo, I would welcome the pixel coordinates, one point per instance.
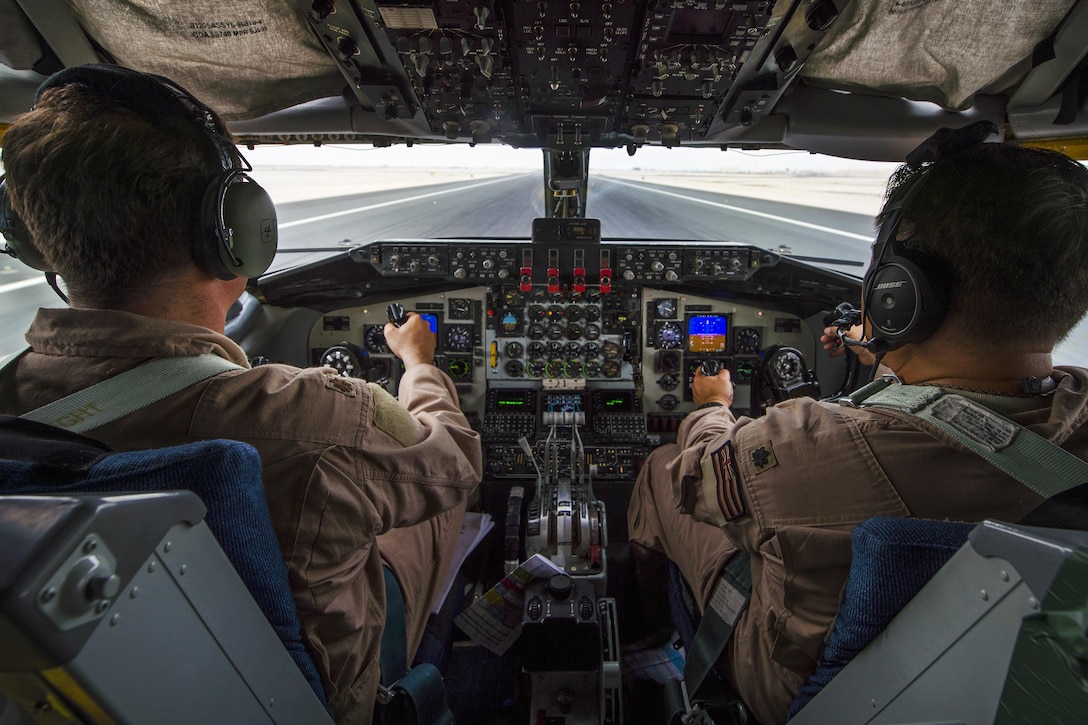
(110, 199)
(1010, 225)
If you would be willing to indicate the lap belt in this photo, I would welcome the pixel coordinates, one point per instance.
(126, 392)
(1037, 463)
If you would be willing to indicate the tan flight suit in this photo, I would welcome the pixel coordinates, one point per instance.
(352, 477)
(789, 487)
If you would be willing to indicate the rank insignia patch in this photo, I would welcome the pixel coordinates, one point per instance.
(763, 457)
(730, 500)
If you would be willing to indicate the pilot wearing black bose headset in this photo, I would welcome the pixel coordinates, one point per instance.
(973, 236)
(129, 189)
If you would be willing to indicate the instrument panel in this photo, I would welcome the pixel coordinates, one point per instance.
(617, 363)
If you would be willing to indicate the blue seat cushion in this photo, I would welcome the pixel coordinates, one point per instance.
(226, 475)
(892, 560)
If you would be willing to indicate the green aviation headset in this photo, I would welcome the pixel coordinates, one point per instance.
(238, 231)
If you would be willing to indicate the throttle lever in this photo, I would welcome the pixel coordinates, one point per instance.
(710, 367)
(396, 313)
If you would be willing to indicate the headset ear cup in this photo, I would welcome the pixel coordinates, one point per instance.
(240, 230)
(905, 299)
(15, 234)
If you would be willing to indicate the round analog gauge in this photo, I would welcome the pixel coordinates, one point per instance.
(592, 313)
(536, 368)
(536, 331)
(513, 297)
(591, 350)
(510, 322)
(375, 339)
(514, 368)
(555, 331)
(574, 332)
(573, 368)
(537, 349)
(610, 369)
(536, 313)
(554, 369)
(556, 312)
(459, 338)
(572, 350)
(611, 350)
(574, 312)
(591, 369)
(555, 349)
(345, 359)
(592, 332)
(460, 308)
(668, 381)
(668, 401)
(513, 349)
(747, 342)
(669, 336)
(666, 309)
(592, 295)
(459, 368)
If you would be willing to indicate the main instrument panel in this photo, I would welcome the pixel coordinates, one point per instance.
(532, 348)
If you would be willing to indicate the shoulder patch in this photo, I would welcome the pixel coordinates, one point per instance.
(730, 500)
(763, 457)
(392, 418)
(340, 385)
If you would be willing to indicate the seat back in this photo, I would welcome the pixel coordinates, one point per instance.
(985, 640)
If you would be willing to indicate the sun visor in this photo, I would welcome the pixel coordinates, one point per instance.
(274, 61)
(944, 51)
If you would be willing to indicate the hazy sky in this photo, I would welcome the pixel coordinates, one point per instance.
(502, 157)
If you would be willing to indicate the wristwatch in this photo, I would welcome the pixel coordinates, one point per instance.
(710, 404)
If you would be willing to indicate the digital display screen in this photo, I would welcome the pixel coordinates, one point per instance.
(511, 400)
(609, 402)
(707, 333)
(432, 321)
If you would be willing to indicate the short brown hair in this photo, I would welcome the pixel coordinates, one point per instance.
(111, 199)
(1010, 226)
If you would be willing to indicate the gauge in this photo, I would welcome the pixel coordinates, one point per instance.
(611, 351)
(574, 312)
(610, 369)
(572, 350)
(669, 336)
(537, 349)
(591, 369)
(668, 401)
(574, 332)
(513, 349)
(460, 309)
(459, 368)
(592, 332)
(555, 331)
(345, 358)
(556, 312)
(745, 370)
(536, 368)
(554, 369)
(514, 368)
(593, 294)
(375, 339)
(591, 349)
(536, 312)
(555, 349)
(510, 323)
(513, 297)
(666, 309)
(668, 381)
(573, 368)
(459, 338)
(747, 341)
(536, 331)
(592, 313)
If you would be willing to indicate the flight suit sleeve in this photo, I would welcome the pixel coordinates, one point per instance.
(704, 475)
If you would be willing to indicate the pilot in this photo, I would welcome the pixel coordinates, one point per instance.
(1004, 231)
(108, 174)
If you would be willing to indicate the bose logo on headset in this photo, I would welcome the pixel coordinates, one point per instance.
(239, 233)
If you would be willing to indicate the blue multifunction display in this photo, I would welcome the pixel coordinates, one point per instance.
(707, 333)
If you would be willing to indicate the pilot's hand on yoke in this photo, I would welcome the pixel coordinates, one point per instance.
(712, 389)
(413, 342)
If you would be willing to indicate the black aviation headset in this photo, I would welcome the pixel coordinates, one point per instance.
(905, 290)
(238, 230)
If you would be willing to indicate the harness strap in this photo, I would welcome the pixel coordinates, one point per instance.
(1044, 467)
(125, 393)
(727, 602)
